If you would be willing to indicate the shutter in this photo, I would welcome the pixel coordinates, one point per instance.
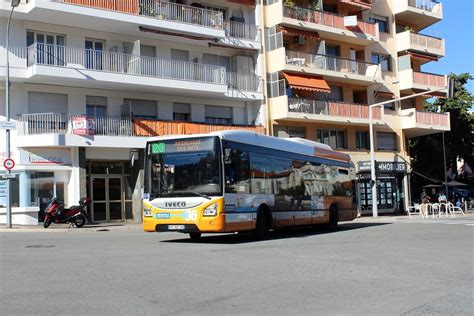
(41, 102)
(96, 101)
(219, 111)
(184, 108)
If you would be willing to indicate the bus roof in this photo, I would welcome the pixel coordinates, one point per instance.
(295, 145)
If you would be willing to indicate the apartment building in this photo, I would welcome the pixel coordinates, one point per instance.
(326, 60)
(91, 80)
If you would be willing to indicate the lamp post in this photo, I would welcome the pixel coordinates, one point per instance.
(14, 4)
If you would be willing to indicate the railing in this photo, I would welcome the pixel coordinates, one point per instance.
(425, 41)
(42, 123)
(429, 79)
(55, 123)
(328, 19)
(159, 10)
(431, 118)
(55, 55)
(332, 108)
(426, 5)
(245, 82)
(332, 63)
(241, 30)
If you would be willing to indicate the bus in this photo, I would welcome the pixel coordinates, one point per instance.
(233, 181)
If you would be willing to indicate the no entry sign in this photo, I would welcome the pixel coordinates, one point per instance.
(9, 164)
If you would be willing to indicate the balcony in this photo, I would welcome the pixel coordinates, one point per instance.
(334, 68)
(418, 13)
(55, 129)
(433, 46)
(331, 26)
(421, 81)
(416, 123)
(297, 109)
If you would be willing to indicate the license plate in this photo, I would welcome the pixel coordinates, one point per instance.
(176, 227)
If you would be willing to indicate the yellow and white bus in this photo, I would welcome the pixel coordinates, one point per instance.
(234, 181)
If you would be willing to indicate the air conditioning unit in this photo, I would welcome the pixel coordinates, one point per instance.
(300, 40)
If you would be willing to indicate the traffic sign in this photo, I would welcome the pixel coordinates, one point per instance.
(7, 125)
(9, 164)
(8, 176)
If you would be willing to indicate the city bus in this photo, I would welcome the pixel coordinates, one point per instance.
(234, 181)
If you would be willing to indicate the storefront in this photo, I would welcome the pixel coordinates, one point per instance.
(390, 177)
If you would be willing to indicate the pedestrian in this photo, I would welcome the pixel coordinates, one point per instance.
(425, 200)
(442, 198)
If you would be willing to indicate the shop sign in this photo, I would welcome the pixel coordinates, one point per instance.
(364, 166)
(390, 167)
(46, 156)
(83, 125)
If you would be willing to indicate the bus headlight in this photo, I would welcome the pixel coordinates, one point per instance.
(147, 212)
(211, 210)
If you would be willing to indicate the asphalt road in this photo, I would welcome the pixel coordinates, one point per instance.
(369, 267)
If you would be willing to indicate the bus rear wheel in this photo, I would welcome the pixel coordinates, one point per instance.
(263, 224)
(333, 218)
(195, 236)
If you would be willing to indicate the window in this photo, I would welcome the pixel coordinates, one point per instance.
(362, 140)
(218, 114)
(260, 170)
(237, 171)
(383, 60)
(181, 111)
(288, 131)
(386, 141)
(96, 106)
(333, 138)
(49, 48)
(182, 55)
(145, 109)
(216, 60)
(93, 53)
(382, 21)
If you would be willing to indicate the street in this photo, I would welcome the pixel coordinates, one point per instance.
(384, 266)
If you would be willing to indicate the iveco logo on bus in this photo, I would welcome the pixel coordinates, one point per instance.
(174, 204)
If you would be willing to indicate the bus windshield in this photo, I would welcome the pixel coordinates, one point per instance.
(183, 167)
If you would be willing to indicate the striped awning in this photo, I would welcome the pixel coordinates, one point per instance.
(305, 82)
(293, 31)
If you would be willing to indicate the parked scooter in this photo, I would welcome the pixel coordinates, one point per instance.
(56, 213)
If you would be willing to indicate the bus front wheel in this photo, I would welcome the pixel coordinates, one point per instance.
(195, 236)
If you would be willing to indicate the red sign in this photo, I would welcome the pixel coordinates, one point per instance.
(9, 164)
(83, 125)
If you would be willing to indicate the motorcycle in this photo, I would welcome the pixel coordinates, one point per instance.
(56, 213)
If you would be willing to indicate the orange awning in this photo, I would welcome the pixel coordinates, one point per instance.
(423, 56)
(388, 95)
(292, 31)
(359, 3)
(305, 82)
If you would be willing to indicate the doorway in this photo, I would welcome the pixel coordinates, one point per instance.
(107, 198)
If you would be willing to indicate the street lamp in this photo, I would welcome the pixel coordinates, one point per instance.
(14, 4)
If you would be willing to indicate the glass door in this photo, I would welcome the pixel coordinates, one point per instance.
(94, 53)
(107, 200)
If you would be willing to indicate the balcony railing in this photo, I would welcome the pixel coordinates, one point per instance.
(332, 63)
(241, 30)
(332, 108)
(55, 55)
(429, 79)
(427, 42)
(157, 9)
(56, 123)
(432, 119)
(244, 82)
(328, 19)
(426, 5)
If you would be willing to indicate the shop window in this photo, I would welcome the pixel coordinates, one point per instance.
(362, 140)
(386, 141)
(332, 137)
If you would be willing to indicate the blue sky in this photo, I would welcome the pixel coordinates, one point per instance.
(457, 28)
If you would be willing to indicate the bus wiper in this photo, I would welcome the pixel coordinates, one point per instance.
(197, 193)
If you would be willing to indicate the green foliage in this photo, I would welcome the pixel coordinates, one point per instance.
(427, 151)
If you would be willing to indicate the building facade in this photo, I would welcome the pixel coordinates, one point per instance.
(326, 60)
(91, 80)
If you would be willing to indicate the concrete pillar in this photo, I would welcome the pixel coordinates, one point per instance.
(82, 172)
(25, 192)
(138, 177)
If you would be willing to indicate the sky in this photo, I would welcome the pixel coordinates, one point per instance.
(457, 28)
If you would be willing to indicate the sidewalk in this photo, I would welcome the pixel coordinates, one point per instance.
(65, 227)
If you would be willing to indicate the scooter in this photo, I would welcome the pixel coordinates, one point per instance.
(56, 213)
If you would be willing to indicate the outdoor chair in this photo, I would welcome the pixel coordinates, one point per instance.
(412, 210)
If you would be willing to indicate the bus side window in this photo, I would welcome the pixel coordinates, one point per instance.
(237, 171)
(261, 174)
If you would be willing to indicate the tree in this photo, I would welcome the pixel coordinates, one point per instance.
(427, 151)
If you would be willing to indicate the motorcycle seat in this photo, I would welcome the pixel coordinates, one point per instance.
(74, 207)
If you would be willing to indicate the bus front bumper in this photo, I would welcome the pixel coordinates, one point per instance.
(212, 224)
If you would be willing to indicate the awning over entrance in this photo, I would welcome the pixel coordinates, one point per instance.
(292, 31)
(423, 56)
(305, 82)
(364, 4)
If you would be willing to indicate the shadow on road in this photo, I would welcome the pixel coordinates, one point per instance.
(294, 232)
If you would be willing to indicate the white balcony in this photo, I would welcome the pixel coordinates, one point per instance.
(419, 13)
(416, 123)
(334, 68)
(297, 109)
(408, 41)
(331, 26)
(421, 81)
